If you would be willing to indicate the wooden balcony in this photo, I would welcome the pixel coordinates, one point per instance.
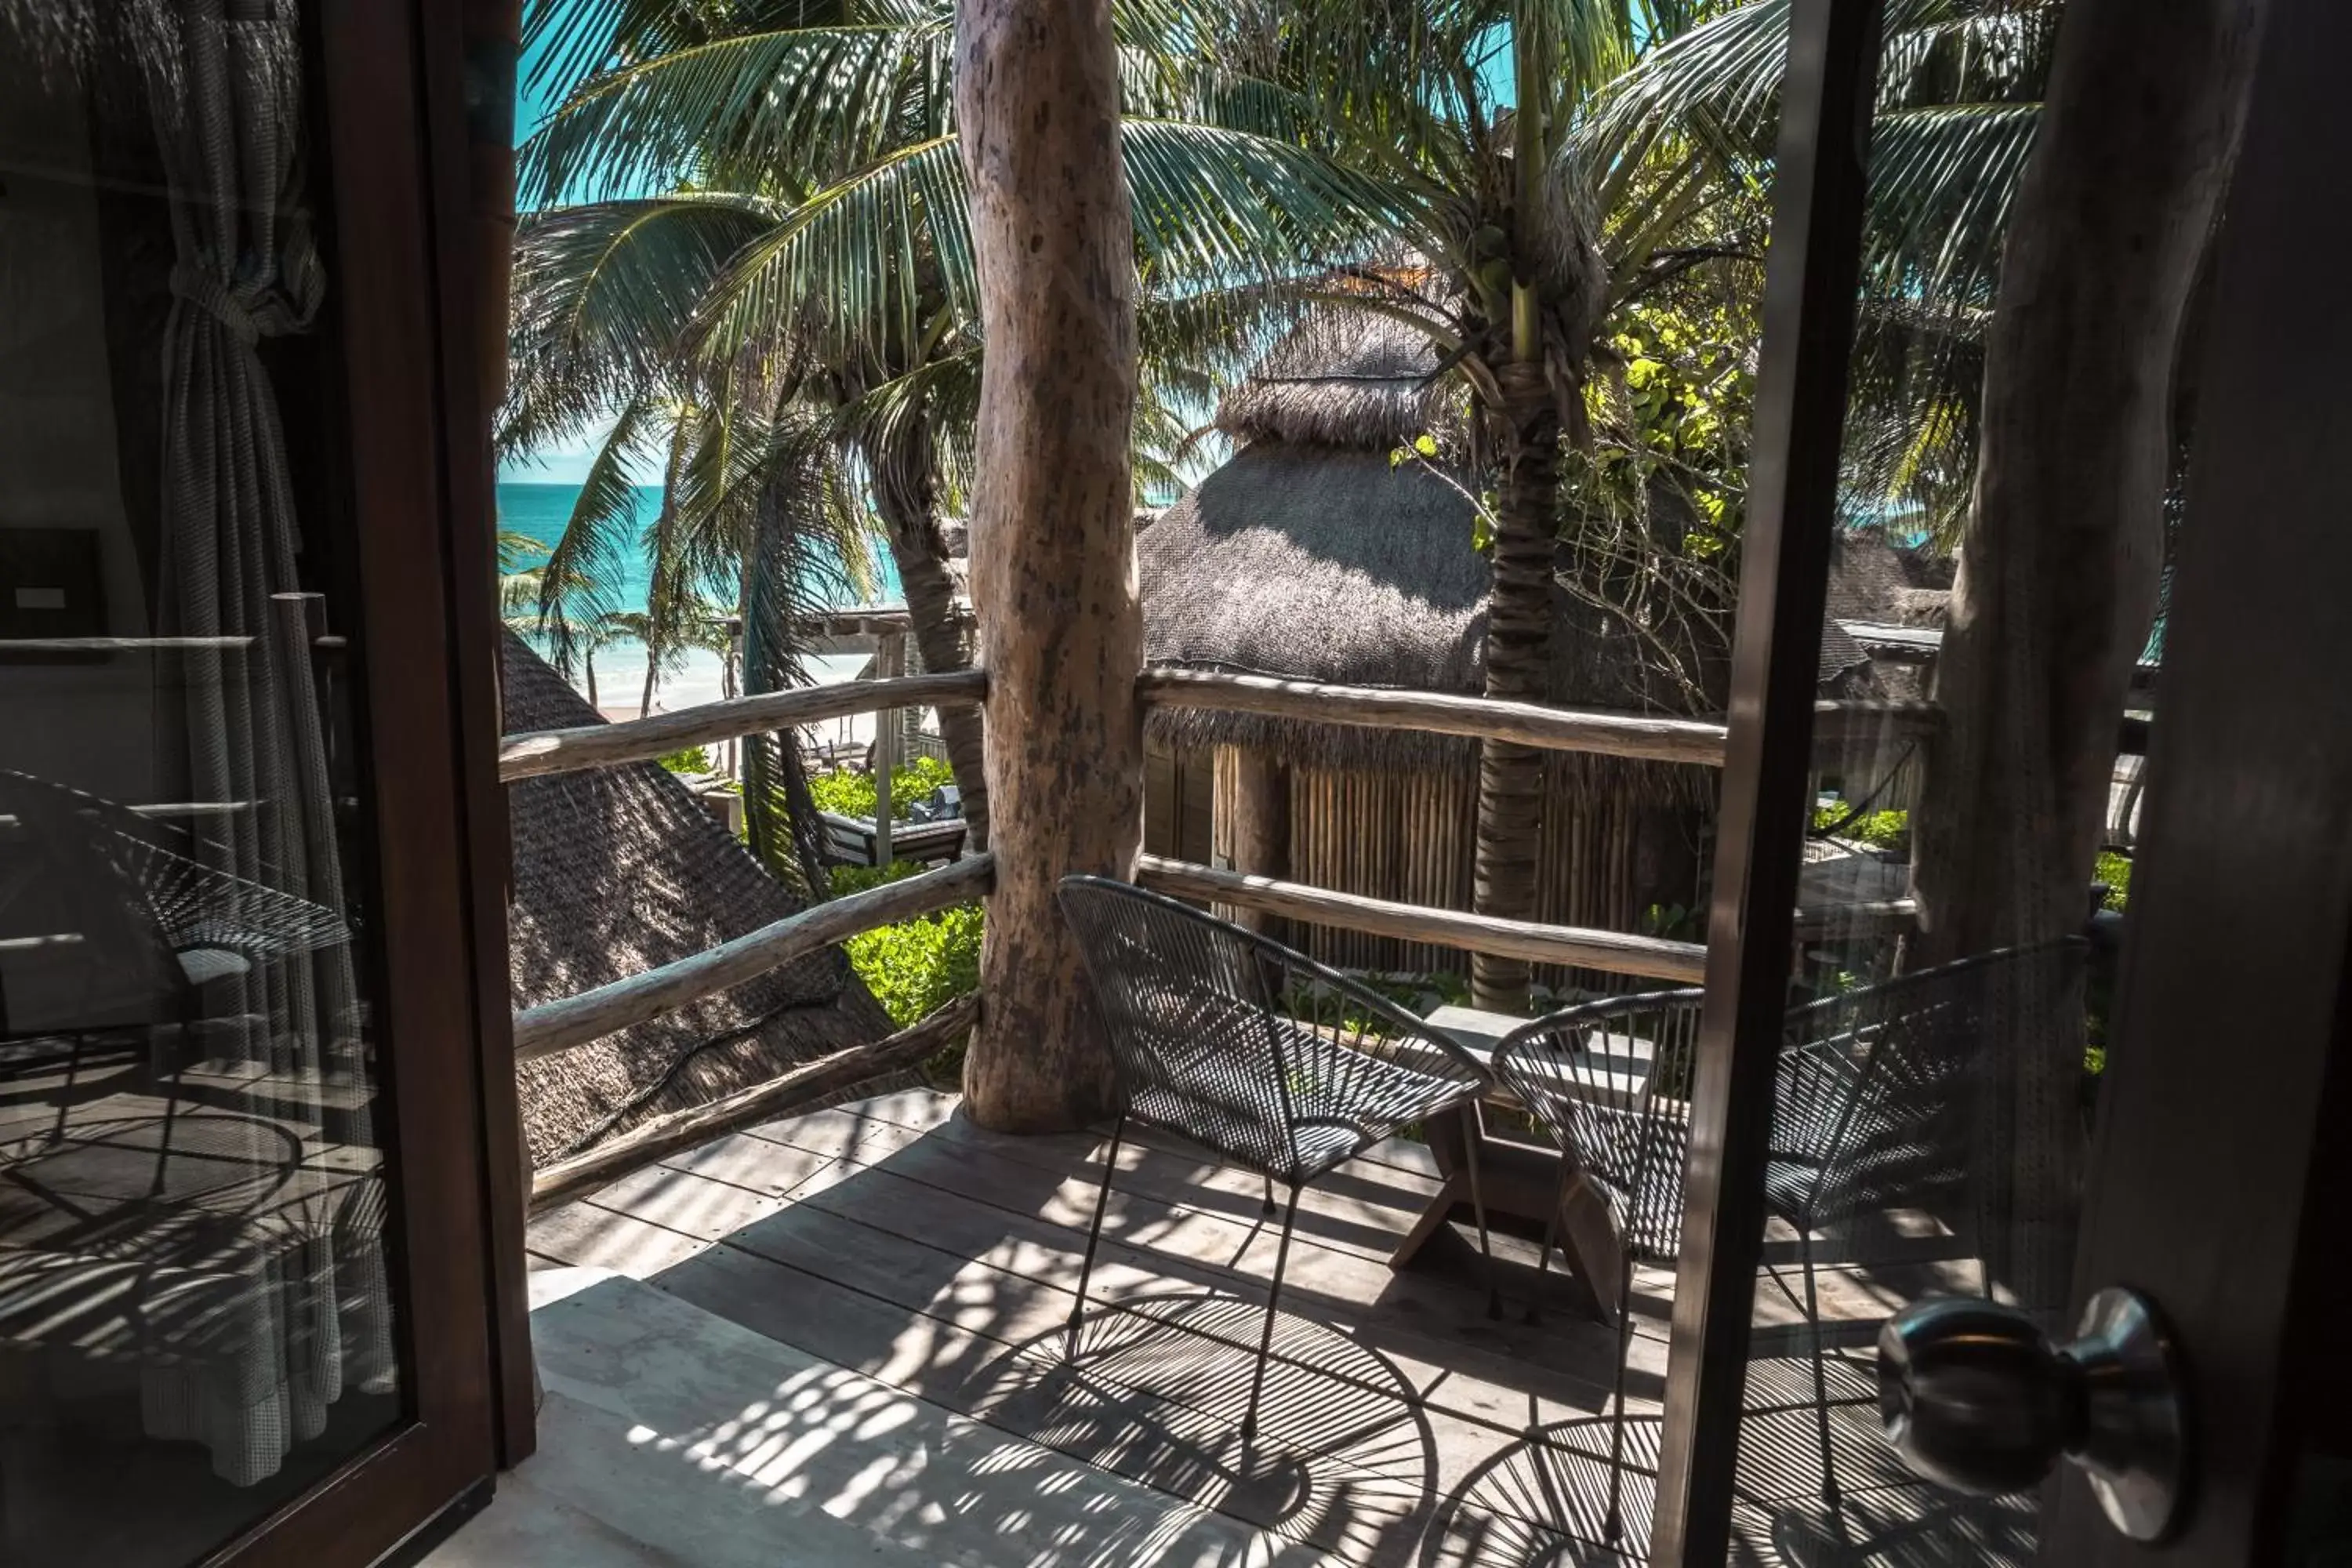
(839, 1335)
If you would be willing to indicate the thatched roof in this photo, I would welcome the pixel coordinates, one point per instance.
(1875, 582)
(1341, 378)
(617, 870)
(1309, 554)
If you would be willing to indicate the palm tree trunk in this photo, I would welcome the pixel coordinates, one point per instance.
(1519, 657)
(1061, 631)
(2060, 553)
(589, 659)
(908, 499)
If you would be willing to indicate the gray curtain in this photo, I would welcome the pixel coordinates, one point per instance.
(314, 1319)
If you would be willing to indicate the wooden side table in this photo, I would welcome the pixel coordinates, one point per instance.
(1522, 1181)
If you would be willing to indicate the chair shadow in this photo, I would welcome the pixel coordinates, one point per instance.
(1344, 1460)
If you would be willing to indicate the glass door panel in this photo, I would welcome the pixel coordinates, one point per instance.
(1906, 1120)
(200, 1317)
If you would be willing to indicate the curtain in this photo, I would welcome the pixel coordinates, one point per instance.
(311, 1318)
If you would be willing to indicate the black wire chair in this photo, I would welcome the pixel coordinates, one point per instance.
(1891, 1096)
(1260, 1054)
(1610, 1082)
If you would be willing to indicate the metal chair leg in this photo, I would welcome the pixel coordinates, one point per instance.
(1616, 1525)
(1478, 1207)
(1820, 1377)
(1267, 1210)
(1551, 1238)
(1272, 1300)
(1094, 1239)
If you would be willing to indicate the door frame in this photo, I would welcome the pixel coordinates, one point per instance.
(401, 308)
(2246, 818)
(1813, 273)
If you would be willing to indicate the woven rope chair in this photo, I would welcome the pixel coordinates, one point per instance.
(1892, 1096)
(1610, 1082)
(1255, 1052)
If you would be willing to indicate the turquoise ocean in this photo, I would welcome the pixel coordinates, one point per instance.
(539, 511)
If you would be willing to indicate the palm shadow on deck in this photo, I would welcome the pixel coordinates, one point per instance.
(894, 1238)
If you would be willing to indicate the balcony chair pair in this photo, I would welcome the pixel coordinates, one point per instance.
(1271, 1060)
(1885, 1098)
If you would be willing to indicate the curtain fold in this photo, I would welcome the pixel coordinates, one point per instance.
(311, 1317)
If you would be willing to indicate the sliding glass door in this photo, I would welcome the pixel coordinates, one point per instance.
(2027, 961)
(227, 867)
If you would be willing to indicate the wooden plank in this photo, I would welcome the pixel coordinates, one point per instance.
(809, 1082)
(1643, 736)
(556, 1026)
(544, 752)
(1614, 952)
(1162, 1439)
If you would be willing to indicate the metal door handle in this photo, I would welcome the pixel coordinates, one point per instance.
(1977, 1398)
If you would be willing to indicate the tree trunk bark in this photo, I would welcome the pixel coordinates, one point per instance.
(1061, 633)
(2062, 551)
(1519, 656)
(589, 659)
(908, 499)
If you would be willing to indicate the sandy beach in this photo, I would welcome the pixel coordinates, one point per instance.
(621, 676)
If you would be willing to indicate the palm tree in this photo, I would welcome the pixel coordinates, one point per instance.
(811, 242)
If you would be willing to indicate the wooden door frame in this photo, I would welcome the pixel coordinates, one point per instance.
(1812, 276)
(2237, 975)
(387, 91)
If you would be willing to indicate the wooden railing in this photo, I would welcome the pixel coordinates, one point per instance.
(544, 752)
(557, 1026)
(1643, 737)
(1684, 962)
(560, 1024)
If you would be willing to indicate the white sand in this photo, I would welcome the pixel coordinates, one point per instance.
(620, 676)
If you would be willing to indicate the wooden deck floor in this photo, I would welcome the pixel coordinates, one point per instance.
(1402, 1425)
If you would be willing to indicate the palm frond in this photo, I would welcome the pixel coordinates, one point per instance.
(578, 580)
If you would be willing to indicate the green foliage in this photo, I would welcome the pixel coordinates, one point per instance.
(852, 794)
(1672, 921)
(693, 760)
(917, 966)
(1879, 829)
(2116, 870)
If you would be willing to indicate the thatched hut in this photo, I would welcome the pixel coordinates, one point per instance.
(1310, 554)
(617, 870)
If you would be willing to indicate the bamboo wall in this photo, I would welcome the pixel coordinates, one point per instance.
(1411, 837)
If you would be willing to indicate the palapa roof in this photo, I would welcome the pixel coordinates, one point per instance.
(1310, 555)
(617, 870)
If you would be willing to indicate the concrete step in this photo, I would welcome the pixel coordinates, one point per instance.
(672, 1436)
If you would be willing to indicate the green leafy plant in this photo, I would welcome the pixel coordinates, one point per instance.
(2116, 870)
(852, 794)
(693, 760)
(1879, 829)
(917, 966)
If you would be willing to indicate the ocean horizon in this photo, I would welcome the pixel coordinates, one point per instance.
(540, 510)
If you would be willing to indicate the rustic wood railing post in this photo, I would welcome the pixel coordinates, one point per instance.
(1053, 567)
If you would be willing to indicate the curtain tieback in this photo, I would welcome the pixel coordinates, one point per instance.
(203, 289)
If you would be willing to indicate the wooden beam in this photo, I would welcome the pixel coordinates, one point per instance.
(557, 1026)
(547, 751)
(1852, 922)
(800, 1086)
(1681, 962)
(1644, 736)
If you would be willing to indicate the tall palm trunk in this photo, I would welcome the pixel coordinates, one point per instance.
(589, 659)
(908, 502)
(1519, 657)
(2062, 549)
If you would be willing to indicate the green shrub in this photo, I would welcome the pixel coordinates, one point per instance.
(917, 966)
(852, 794)
(2115, 870)
(1879, 829)
(693, 760)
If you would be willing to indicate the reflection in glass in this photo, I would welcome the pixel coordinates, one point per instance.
(195, 1310)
